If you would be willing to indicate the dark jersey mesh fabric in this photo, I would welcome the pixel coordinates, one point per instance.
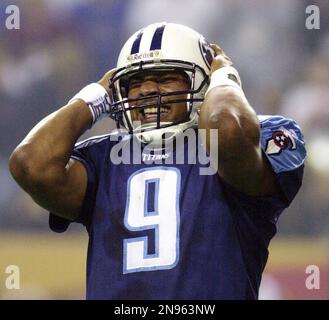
(163, 231)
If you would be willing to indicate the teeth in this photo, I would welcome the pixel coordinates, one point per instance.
(153, 110)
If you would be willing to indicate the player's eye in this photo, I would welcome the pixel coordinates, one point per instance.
(168, 79)
(134, 83)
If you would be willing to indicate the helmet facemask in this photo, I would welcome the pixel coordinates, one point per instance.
(124, 108)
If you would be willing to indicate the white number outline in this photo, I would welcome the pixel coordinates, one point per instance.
(148, 227)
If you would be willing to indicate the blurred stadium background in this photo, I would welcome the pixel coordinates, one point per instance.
(63, 45)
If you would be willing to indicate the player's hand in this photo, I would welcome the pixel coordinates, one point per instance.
(220, 60)
(106, 79)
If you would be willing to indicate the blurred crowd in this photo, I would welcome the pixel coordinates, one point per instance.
(63, 45)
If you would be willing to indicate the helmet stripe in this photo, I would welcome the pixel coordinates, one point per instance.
(157, 38)
(137, 42)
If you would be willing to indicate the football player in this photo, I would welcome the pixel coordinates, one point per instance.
(160, 230)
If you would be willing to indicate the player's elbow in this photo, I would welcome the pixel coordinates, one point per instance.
(17, 164)
(23, 168)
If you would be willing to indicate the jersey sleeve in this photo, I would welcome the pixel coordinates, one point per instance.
(255, 217)
(89, 153)
(283, 144)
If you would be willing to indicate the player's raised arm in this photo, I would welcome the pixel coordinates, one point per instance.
(41, 163)
(240, 161)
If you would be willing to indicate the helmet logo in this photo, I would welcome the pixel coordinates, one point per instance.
(206, 51)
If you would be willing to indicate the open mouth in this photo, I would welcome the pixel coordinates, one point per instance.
(151, 113)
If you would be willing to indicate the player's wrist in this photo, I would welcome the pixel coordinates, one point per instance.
(96, 98)
(225, 76)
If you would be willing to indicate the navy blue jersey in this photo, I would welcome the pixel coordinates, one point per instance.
(163, 231)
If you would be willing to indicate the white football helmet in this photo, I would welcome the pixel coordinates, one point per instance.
(161, 46)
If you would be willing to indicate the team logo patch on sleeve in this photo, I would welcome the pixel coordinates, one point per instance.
(281, 139)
